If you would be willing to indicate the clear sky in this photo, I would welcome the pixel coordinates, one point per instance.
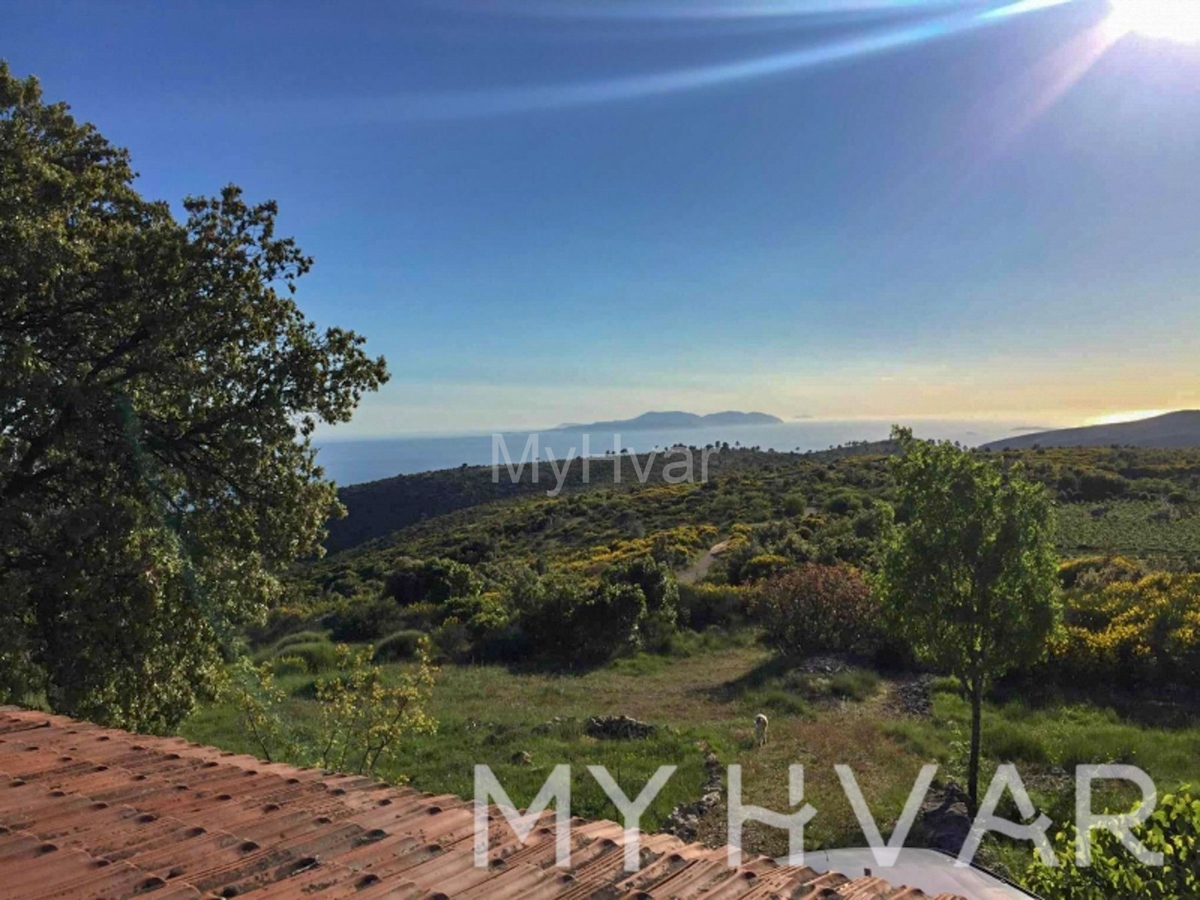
(567, 210)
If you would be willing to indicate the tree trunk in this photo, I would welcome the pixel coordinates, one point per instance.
(976, 729)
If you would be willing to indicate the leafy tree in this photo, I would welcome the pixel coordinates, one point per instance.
(158, 391)
(970, 575)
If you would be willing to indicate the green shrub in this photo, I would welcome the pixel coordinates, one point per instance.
(794, 505)
(359, 621)
(452, 640)
(288, 665)
(279, 622)
(778, 701)
(704, 606)
(300, 637)
(576, 622)
(843, 501)
(857, 684)
(319, 656)
(1172, 830)
(399, 646)
(429, 581)
(657, 583)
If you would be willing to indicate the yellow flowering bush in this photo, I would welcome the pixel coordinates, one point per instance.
(1136, 632)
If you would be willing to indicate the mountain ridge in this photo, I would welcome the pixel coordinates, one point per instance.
(1169, 431)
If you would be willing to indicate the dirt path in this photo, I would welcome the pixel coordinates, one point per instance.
(700, 567)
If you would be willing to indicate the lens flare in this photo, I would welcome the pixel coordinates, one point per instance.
(1172, 20)
(964, 17)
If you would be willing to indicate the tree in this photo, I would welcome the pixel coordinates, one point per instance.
(158, 392)
(970, 572)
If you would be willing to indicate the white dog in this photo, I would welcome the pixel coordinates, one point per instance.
(760, 729)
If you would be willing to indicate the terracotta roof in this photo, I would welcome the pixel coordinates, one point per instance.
(92, 812)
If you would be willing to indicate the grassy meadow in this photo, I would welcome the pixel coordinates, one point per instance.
(522, 723)
(509, 696)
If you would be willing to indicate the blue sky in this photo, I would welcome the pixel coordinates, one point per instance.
(566, 210)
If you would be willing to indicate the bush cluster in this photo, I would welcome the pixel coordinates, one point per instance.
(1135, 633)
(819, 609)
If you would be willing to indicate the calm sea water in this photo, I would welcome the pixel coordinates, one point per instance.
(354, 461)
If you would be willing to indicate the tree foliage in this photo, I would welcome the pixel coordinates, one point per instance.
(970, 574)
(1173, 830)
(158, 390)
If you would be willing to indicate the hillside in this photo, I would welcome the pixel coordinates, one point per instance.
(808, 506)
(378, 508)
(1170, 431)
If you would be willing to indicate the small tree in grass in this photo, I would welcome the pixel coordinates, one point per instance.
(970, 572)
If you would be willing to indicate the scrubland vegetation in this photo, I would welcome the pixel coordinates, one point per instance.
(546, 611)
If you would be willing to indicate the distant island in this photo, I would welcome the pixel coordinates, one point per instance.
(663, 420)
(1170, 431)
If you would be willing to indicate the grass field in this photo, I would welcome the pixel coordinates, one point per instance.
(492, 715)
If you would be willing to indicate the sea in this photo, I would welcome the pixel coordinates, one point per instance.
(352, 461)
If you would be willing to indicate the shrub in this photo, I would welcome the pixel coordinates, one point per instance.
(452, 640)
(429, 581)
(575, 622)
(764, 565)
(399, 646)
(1143, 633)
(703, 606)
(661, 592)
(279, 622)
(1098, 571)
(318, 656)
(794, 505)
(364, 715)
(364, 620)
(300, 637)
(843, 501)
(1172, 830)
(1096, 484)
(819, 609)
(288, 665)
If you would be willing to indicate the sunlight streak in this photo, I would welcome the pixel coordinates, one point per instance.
(503, 101)
(704, 10)
(1130, 415)
(1062, 71)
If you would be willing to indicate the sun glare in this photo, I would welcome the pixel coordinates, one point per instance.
(1129, 415)
(1173, 20)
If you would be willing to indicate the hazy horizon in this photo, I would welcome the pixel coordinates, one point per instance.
(1049, 421)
